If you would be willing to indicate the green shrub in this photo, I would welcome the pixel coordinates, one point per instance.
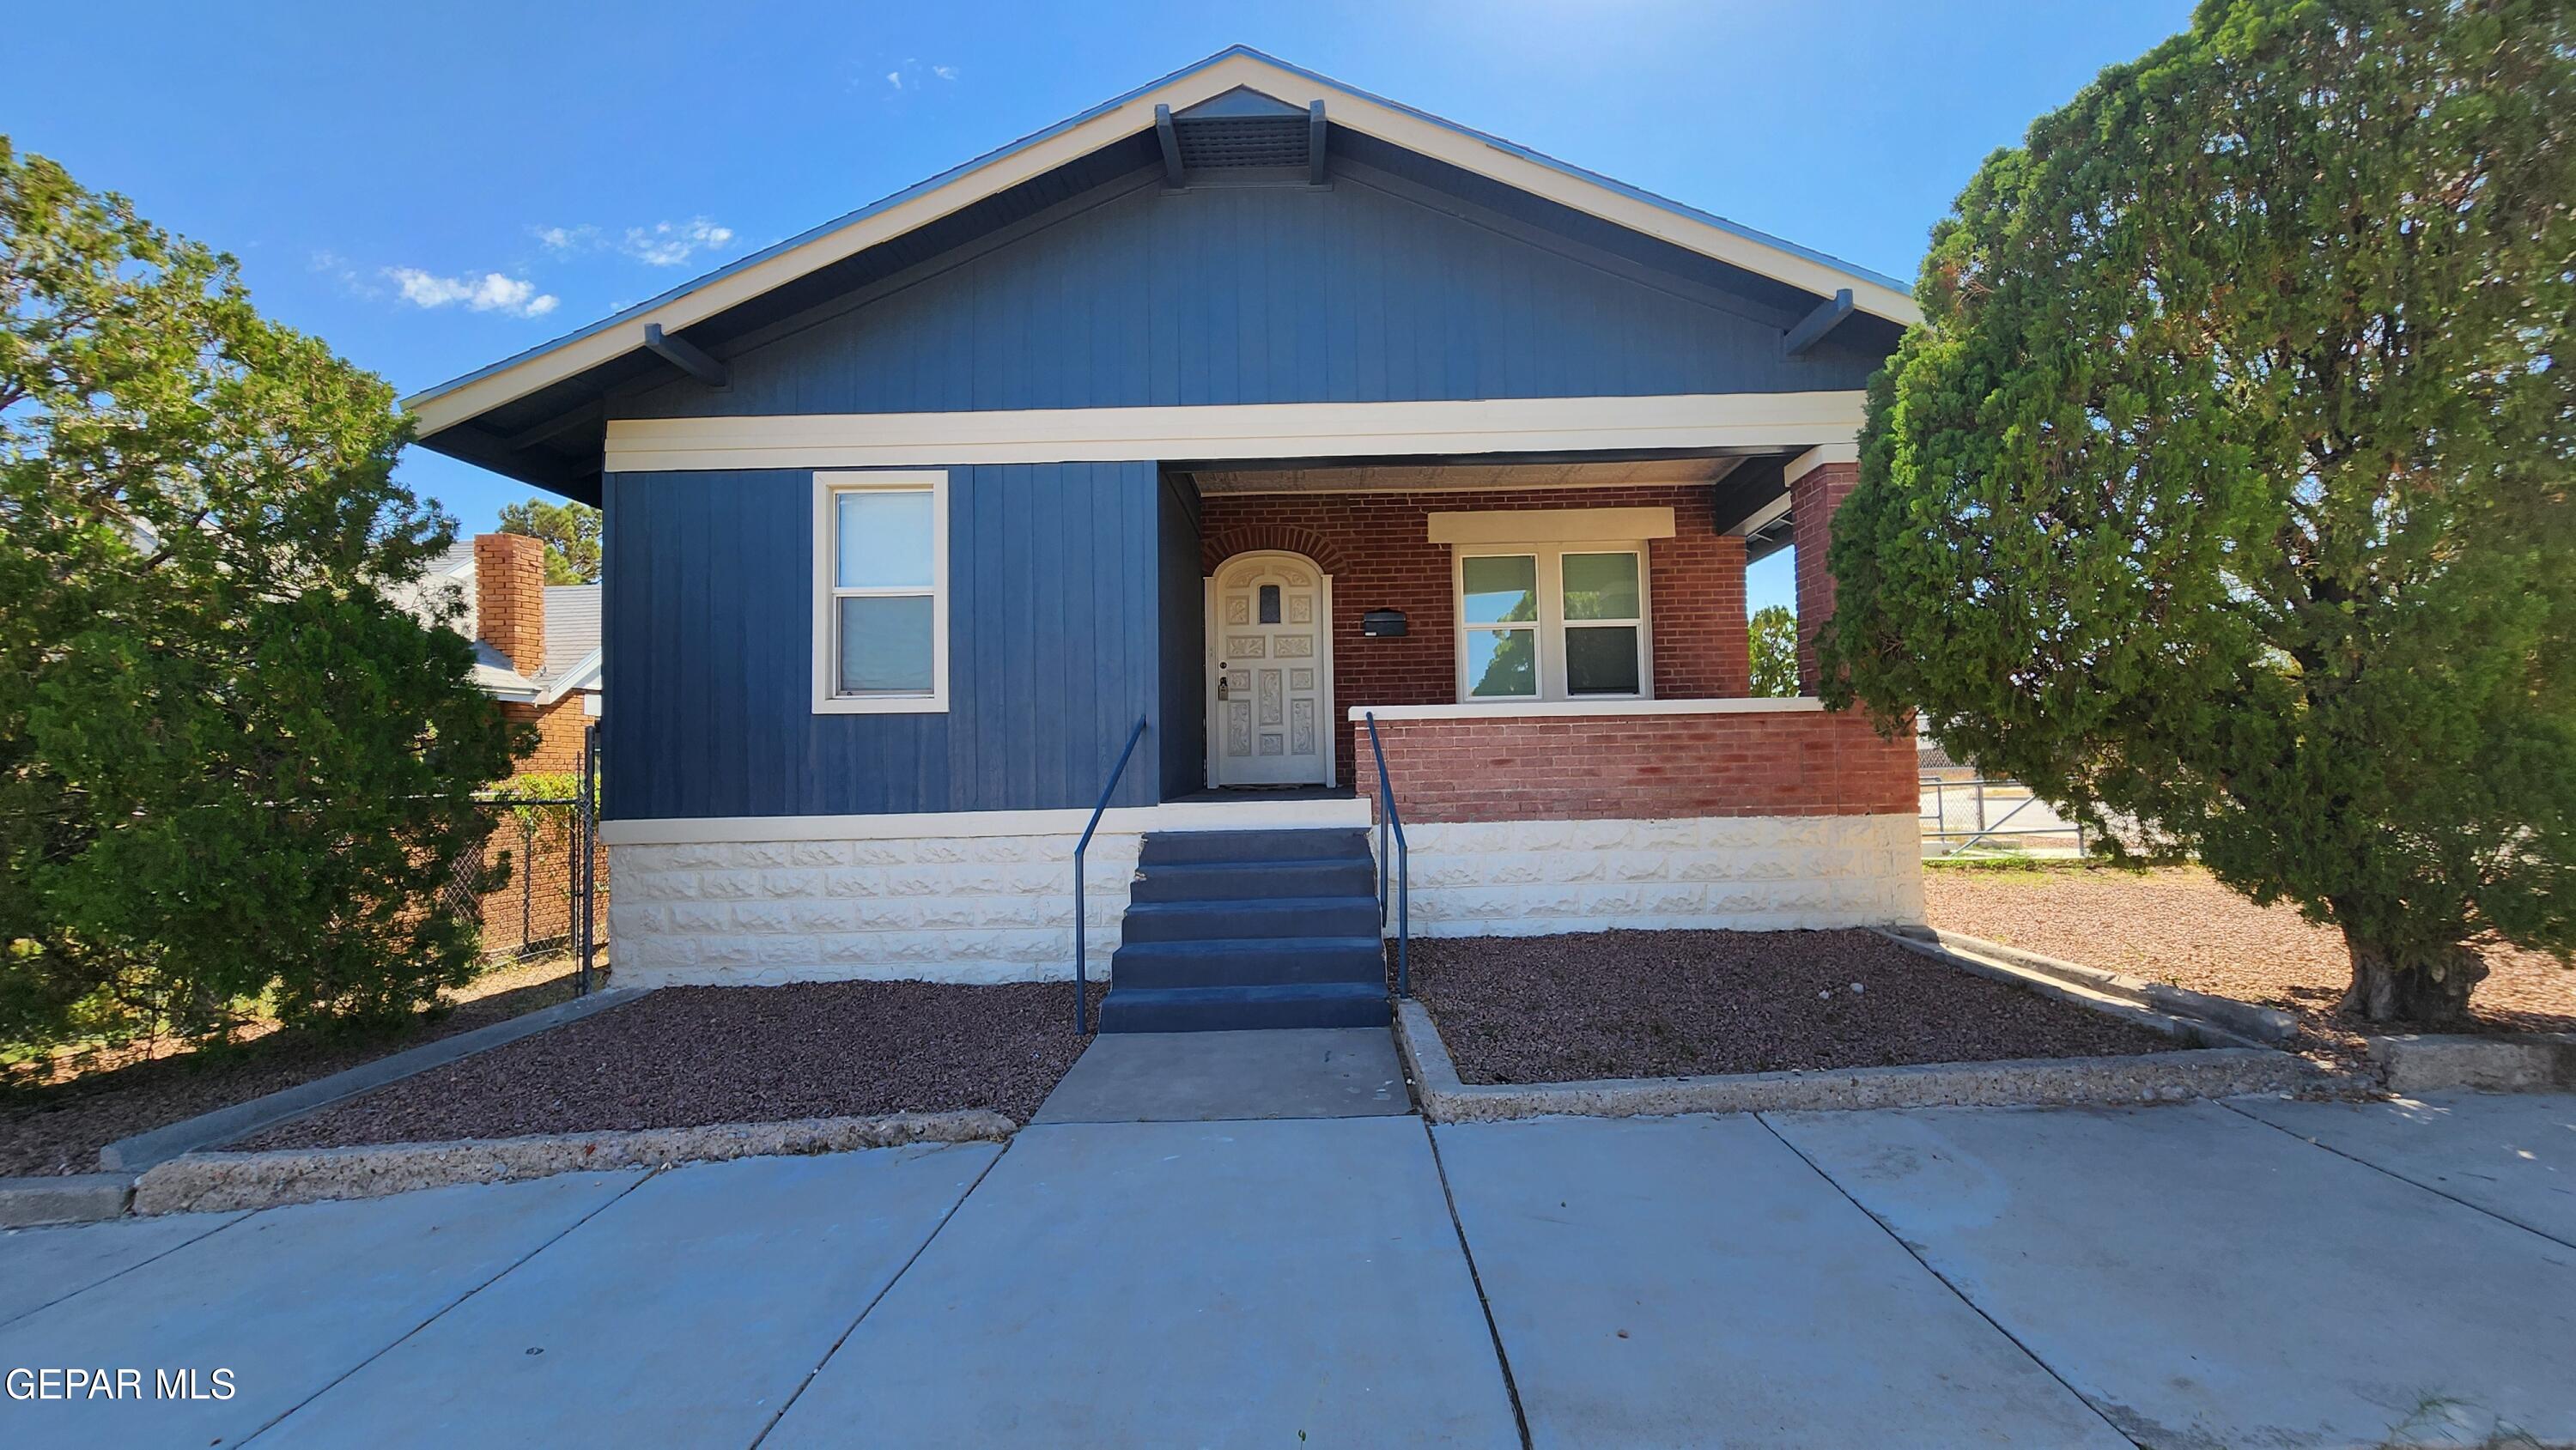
(232, 767)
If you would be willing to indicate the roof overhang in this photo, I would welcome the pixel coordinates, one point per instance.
(583, 675)
(449, 411)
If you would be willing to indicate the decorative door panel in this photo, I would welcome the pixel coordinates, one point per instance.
(1272, 695)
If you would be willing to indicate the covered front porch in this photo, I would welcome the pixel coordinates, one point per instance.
(1552, 659)
(1595, 578)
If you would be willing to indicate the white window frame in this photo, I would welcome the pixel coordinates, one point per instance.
(1551, 622)
(828, 700)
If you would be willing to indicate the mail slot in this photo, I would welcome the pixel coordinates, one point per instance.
(1383, 624)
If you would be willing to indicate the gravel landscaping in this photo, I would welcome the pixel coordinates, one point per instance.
(688, 1056)
(1633, 1004)
(54, 1120)
(2181, 926)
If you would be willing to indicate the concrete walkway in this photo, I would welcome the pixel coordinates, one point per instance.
(2253, 1273)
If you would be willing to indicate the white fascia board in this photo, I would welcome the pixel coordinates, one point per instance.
(476, 393)
(584, 675)
(1565, 709)
(1818, 456)
(1229, 431)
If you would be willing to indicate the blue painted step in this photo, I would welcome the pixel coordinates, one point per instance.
(1245, 880)
(1243, 1009)
(1275, 962)
(1256, 919)
(1232, 930)
(1173, 848)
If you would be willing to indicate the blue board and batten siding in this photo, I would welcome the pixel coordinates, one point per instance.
(1055, 648)
(1076, 602)
(1222, 295)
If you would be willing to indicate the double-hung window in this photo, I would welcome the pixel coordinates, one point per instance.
(1552, 621)
(880, 592)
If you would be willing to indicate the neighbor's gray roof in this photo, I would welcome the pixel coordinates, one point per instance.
(572, 622)
(572, 629)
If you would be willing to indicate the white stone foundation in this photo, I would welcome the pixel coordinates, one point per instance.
(1736, 873)
(927, 908)
(984, 905)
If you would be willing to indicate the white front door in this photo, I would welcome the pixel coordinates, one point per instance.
(1270, 675)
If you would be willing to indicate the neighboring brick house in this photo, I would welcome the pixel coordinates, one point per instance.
(536, 644)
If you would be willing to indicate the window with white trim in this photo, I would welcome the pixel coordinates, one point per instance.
(880, 592)
(1552, 622)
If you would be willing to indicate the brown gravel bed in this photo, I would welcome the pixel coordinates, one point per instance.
(2180, 926)
(687, 1056)
(57, 1125)
(1628, 1004)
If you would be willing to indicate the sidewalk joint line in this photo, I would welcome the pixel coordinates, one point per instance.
(196, 1238)
(1943, 1279)
(2393, 1173)
(879, 1297)
(443, 1310)
(1493, 1331)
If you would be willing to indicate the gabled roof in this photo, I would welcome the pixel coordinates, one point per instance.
(1235, 80)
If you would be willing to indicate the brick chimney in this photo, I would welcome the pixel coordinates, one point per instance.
(510, 598)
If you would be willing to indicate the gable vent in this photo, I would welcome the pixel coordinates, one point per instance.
(1244, 135)
(1242, 141)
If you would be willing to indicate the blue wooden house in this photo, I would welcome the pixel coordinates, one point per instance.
(1275, 430)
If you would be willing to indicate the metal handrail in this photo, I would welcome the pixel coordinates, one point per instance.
(1389, 816)
(1081, 962)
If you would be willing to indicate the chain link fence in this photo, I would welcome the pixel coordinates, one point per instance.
(552, 896)
(538, 909)
(1982, 816)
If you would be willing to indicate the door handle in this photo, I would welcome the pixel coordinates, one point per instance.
(1222, 693)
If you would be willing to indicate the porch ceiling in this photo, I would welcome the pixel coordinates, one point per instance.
(1440, 477)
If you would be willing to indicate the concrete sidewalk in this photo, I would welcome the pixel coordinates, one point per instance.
(2196, 1275)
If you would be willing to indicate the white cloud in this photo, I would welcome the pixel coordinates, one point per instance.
(567, 239)
(668, 244)
(491, 292)
(912, 73)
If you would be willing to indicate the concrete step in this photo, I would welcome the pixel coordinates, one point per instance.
(1237, 1009)
(1253, 880)
(1173, 848)
(1257, 920)
(1278, 962)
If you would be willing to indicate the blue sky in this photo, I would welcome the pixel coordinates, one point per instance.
(434, 188)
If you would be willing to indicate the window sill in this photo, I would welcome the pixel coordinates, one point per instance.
(885, 705)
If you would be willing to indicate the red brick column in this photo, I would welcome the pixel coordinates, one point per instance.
(1813, 497)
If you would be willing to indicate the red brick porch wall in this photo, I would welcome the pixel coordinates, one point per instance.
(1645, 767)
(1377, 548)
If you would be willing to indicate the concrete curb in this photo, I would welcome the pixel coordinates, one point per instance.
(2243, 1019)
(206, 1130)
(2194, 1030)
(2518, 1062)
(64, 1198)
(2214, 1072)
(221, 1182)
